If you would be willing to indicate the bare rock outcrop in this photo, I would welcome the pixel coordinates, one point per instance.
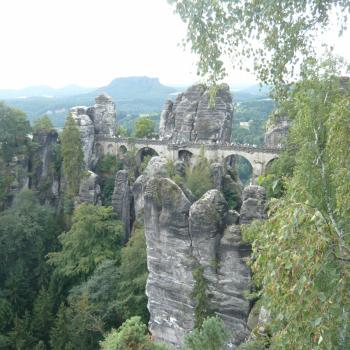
(222, 254)
(276, 132)
(156, 167)
(121, 201)
(44, 166)
(87, 132)
(99, 119)
(192, 118)
(253, 207)
(89, 189)
(170, 281)
(181, 236)
(103, 115)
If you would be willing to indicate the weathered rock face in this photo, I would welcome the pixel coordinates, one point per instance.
(276, 133)
(44, 167)
(121, 201)
(103, 115)
(217, 174)
(190, 118)
(18, 170)
(225, 181)
(87, 132)
(253, 207)
(170, 281)
(89, 190)
(91, 121)
(156, 167)
(220, 251)
(180, 236)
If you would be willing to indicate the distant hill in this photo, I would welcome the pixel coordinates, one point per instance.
(253, 92)
(133, 95)
(43, 91)
(135, 87)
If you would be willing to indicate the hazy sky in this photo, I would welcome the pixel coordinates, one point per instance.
(90, 42)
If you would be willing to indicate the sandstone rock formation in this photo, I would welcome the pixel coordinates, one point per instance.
(253, 207)
(44, 167)
(87, 132)
(121, 201)
(89, 189)
(225, 180)
(276, 132)
(220, 251)
(191, 118)
(156, 167)
(170, 281)
(103, 115)
(91, 121)
(181, 236)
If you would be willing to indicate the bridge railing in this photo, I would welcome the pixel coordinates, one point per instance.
(184, 145)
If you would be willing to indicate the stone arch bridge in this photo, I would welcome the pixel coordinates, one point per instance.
(258, 157)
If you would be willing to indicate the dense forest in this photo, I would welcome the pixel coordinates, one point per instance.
(72, 279)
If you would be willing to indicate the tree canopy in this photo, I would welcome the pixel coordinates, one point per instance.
(270, 37)
(301, 254)
(72, 154)
(95, 236)
(143, 127)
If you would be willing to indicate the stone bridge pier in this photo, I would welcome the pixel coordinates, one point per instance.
(258, 157)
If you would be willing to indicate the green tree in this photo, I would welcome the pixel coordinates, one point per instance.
(42, 316)
(144, 127)
(14, 132)
(132, 335)
(27, 231)
(43, 124)
(200, 296)
(106, 168)
(72, 154)
(121, 131)
(198, 178)
(117, 289)
(272, 37)
(21, 335)
(95, 236)
(302, 252)
(131, 297)
(211, 336)
(60, 332)
(13, 142)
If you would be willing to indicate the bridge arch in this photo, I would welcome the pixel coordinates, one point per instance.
(110, 149)
(122, 149)
(144, 152)
(240, 166)
(185, 155)
(269, 163)
(98, 149)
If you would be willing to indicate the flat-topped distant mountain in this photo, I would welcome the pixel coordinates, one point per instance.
(135, 87)
(43, 91)
(133, 95)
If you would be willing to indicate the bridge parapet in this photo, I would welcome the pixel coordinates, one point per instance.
(176, 146)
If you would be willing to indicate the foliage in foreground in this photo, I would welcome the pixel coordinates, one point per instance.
(270, 37)
(301, 254)
(210, 336)
(94, 236)
(198, 178)
(132, 335)
(73, 157)
(144, 127)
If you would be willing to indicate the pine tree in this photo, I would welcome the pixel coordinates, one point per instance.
(73, 157)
